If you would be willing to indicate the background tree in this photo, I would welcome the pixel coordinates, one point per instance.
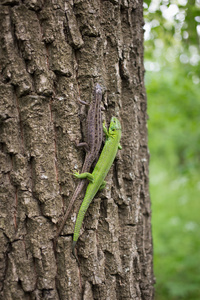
(172, 62)
(52, 53)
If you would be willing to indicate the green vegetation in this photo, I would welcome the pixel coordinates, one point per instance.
(173, 91)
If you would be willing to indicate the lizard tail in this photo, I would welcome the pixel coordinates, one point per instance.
(73, 251)
(76, 193)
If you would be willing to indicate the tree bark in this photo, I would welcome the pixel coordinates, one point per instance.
(52, 53)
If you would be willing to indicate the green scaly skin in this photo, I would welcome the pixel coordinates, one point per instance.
(112, 144)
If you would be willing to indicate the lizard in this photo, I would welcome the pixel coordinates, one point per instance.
(94, 136)
(96, 178)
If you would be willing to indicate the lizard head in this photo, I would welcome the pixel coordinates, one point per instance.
(114, 125)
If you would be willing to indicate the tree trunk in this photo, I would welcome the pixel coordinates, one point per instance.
(52, 53)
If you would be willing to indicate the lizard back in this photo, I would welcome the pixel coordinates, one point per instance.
(94, 134)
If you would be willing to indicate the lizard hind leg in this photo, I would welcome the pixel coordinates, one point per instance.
(85, 175)
(102, 186)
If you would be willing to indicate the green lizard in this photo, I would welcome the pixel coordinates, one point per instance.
(96, 179)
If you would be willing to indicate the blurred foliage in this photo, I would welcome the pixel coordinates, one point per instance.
(173, 91)
(173, 27)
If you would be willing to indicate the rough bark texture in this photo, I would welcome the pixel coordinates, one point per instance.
(52, 52)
